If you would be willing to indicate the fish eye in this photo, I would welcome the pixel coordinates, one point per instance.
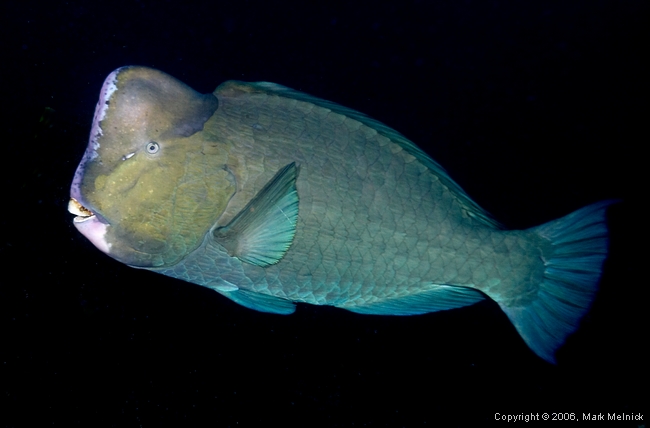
(152, 147)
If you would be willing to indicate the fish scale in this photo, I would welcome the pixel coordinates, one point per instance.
(325, 232)
(270, 196)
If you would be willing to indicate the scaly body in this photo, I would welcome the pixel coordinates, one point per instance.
(270, 196)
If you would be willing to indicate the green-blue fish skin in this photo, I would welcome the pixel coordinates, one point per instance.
(270, 196)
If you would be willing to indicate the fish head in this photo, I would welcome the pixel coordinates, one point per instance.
(151, 183)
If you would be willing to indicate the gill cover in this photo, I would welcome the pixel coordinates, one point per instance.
(150, 184)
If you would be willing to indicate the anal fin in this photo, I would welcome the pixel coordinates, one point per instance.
(437, 298)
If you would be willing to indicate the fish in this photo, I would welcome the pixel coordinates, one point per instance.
(272, 197)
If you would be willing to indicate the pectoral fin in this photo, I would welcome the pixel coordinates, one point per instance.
(263, 231)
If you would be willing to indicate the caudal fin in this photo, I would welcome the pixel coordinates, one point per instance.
(571, 275)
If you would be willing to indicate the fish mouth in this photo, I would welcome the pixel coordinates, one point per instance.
(91, 225)
(82, 213)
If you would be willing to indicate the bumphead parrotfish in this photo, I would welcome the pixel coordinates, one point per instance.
(270, 196)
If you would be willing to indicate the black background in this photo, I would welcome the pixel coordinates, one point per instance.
(536, 108)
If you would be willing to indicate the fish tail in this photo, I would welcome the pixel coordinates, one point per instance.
(572, 271)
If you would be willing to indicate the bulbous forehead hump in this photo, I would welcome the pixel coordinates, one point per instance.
(156, 99)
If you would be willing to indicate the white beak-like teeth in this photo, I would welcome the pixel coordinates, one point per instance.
(79, 210)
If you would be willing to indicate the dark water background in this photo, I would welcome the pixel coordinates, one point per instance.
(536, 108)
